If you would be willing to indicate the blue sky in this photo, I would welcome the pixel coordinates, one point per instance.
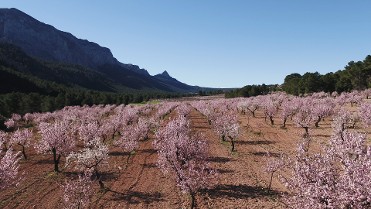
(217, 43)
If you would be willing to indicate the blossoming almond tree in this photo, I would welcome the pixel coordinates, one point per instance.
(22, 137)
(338, 177)
(184, 156)
(322, 108)
(289, 108)
(252, 105)
(92, 158)
(227, 126)
(132, 134)
(304, 118)
(14, 121)
(270, 107)
(365, 113)
(273, 165)
(56, 139)
(77, 193)
(89, 131)
(8, 168)
(4, 139)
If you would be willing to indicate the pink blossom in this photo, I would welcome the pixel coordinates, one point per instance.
(56, 138)
(92, 158)
(10, 123)
(184, 156)
(77, 193)
(9, 168)
(338, 177)
(22, 137)
(365, 113)
(4, 139)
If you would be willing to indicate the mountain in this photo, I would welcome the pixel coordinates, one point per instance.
(63, 56)
(176, 85)
(15, 61)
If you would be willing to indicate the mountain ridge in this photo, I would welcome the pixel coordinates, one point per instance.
(46, 43)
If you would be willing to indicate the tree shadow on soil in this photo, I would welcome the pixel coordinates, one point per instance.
(149, 165)
(265, 154)
(239, 191)
(107, 176)
(259, 142)
(73, 174)
(219, 159)
(119, 153)
(322, 135)
(150, 151)
(134, 197)
(45, 161)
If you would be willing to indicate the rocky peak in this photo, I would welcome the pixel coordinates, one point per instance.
(136, 68)
(165, 74)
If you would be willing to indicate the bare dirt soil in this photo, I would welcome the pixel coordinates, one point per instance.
(138, 183)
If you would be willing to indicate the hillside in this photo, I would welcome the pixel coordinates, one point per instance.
(31, 85)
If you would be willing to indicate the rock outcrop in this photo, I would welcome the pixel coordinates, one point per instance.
(45, 42)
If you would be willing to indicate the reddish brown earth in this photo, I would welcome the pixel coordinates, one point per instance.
(140, 184)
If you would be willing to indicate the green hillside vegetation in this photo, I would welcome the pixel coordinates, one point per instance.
(30, 85)
(355, 76)
(251, 91)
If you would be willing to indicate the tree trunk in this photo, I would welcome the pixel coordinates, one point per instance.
(270, 182)
(223, 138)
(193, 201)
(232, 144)
(318, 120)
(24, 153)
(56, 160)
(306, 132)
(284, 123)
(252, 112)
(127, 160)
(271, 119)
(97, 174)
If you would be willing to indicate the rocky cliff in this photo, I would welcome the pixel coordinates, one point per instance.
(45, 42)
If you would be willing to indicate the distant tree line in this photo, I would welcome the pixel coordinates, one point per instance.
(210, 92)
(251, 91)
(355, 76)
